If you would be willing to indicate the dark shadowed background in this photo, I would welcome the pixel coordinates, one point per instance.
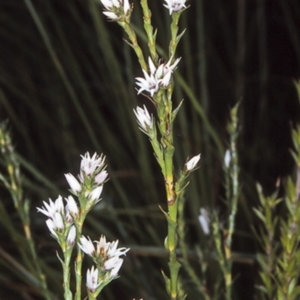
(67, 86)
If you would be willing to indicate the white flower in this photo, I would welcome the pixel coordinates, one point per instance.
(95, 193)
(71, 235)
(108, 250)
(57, 215)
(204, 221)
(160, 76)
(50, 209)
(192, 163)
(167, 70)
(144, 119)
(174, 5)
(86, 245)
(92, 281)
(89, 165)
(116, 8)
(73, 183)
(149, 84)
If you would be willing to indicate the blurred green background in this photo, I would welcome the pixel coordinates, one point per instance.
(67, 86)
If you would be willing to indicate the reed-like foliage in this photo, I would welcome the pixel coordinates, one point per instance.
(67, 87)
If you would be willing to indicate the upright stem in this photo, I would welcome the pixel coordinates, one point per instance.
(66, 274)
(149, 29)
(79, 259)
(234, 173)
(134, 44)
(174, 265)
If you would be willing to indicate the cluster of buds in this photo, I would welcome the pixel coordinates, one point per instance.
(106, 256)
(175, 5)
(159, 77)
(88, 187)
(60, 220)
(116, 9)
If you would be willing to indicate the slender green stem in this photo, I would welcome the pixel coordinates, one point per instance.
(174, 265)
(66, 275)
(92, 297)
(134, 44)
(233, 200)
(79, 257)
(149, 30)
(200, 284)
(174, 31)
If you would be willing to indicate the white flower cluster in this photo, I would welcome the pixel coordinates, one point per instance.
(158, 77)
(91, 178)
(90, 184)
(60, 218)
(175, 5)
(106, 255)
(116, 9)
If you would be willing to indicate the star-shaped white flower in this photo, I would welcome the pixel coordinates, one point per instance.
(149, 84)
(109, 249)
(174, 5)
(50, 209)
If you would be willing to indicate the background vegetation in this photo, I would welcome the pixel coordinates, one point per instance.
(67, 87)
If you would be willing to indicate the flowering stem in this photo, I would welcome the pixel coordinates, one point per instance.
(233, 200)
(174, 31)
(149, 29)
(66, 274)
(79, 257)
(165, 125)
(174, 265)
(134, 44)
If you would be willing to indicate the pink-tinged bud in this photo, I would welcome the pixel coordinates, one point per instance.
(101, 177)
(72, 207)
(95, 194)
(73, 183)
(71, 236)
(116, 269)
(92, 282)
(50, 226)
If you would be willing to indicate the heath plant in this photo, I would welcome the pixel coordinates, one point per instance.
(277, 232)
